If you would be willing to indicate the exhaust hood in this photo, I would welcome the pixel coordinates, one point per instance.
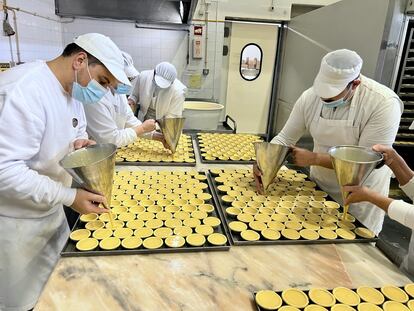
(141, 11)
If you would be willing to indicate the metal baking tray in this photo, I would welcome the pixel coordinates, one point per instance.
(258, 308)
(236, 239)
(137, 163)
(202, 160)
(70, 250)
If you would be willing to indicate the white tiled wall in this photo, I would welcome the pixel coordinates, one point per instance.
(147, 47)
(39, 38)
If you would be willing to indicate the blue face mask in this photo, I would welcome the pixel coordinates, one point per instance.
(90, 94)
(339, 102)
(123, 89)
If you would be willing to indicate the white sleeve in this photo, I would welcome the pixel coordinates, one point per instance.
(135, 91)
(131, 120)
(408, 188)
(17, 148)
(295, 126)
(402, 212)
(102, 127)
(382, 126)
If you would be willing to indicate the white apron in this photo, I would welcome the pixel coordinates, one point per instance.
(408, 263)
(30, 249)
(152, 110)
(327, 133)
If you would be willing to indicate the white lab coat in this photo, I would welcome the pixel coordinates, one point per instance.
(372, 117)
(111, 120)
(168, 102)
(38, 123)
(403, 212)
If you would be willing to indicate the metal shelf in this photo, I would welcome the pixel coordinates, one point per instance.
(405, 137)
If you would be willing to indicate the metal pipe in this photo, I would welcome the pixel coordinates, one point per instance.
(12, 63)
(215, 61)
(188, 47)
(16, 36)
(206, 38)
(31, 13)
(11, 52)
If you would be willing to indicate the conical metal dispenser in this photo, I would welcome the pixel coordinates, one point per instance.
(93, 168)
(352, 165)
(270, 158)
(171, 128)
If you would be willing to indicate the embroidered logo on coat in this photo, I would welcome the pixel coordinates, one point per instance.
(75, 122)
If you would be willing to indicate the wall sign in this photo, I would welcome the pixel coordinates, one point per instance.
(198, 30)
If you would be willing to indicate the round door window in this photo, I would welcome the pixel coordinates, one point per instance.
(251, 62)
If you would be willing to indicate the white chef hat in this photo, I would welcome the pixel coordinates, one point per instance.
(129, 67)
(106, 51)
(165, 74)
(338, 68)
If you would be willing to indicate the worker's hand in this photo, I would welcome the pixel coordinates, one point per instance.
(390, 155)
(358, 194)
(132, 104)
(80, 143)
(148, 125)
(159, 137)
(302, 157)
(87, 202)
(257, 174)
(364, 194)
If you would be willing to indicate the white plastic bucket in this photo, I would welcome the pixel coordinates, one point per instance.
(201, 115)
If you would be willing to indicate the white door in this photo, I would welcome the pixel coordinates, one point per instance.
(250, 75)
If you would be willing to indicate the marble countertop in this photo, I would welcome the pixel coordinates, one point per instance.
(222, 280)
(210, 280)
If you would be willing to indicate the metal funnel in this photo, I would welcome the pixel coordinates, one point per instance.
(270, 158)
(352, 165)
(171, 128)
(93, 168)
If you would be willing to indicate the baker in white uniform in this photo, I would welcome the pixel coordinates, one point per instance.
(131, 72)
(158, 93)
(398, 210)
(41, 120)
(111, 120)
(343, 108)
